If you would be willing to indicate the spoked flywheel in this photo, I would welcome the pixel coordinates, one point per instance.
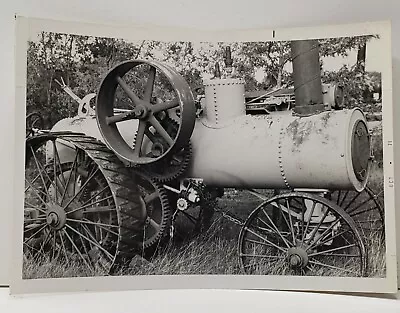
(81, 204)
(301, 234)
(136, 96)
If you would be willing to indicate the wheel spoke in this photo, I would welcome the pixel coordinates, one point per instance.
(326, 231)
(139, 138)
(329, 238)
(150, 84)
(34, 207)
(344, 198)
(266, 240)
(275, 257)
(352, 201)
(29, 220)
(257, 242)
(150, 135)
(308, 221)
(33, 181)
(135, 99)
(37, 232)
(91, 223)
(100, 209)
(88, 205)
(331, 267)
(60, 234)
(103, 226)
(154, 224)
(358, 206)
(331, 250)
(37, 192)
(30, 227)
(81, 189)
(151, 197)
(94, 242)
(338, 197)
(72, 171)
(77, 250)
(314, 232)
(126, 116)
(274, 227)
(96, 195)
(352, 214)
(57, 159)
(167, 105)
(290, 221)
(40, 170)
(160, 129)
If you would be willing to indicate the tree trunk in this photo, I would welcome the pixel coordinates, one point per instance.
(361, 55)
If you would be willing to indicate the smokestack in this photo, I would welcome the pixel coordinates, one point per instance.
(307, 77)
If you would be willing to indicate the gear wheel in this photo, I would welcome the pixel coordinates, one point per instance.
(195, 219)
(172, 166)
(158, 212)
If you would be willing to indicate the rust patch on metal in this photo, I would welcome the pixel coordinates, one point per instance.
(325, 118)
(301, 129)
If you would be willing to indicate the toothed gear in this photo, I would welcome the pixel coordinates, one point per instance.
(158, 210)
(174, 165)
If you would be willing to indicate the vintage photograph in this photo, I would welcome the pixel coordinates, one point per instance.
(203, 158)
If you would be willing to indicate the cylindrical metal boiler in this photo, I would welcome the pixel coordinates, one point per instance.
(88, 126)
(329, 150)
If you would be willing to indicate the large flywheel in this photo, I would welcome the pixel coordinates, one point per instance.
(133, 100)
(82, 206)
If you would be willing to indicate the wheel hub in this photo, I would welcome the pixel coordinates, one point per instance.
(297, 257)
(56, 217)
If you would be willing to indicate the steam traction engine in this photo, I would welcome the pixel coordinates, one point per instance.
(111, 182)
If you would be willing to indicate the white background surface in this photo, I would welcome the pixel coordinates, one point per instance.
(206, 14)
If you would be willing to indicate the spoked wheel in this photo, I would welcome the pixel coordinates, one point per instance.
(301, 234)
(365, 207)
(137, 96)
(81, 206)
(33, 121)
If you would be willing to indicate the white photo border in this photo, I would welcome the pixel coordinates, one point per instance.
(26, 27)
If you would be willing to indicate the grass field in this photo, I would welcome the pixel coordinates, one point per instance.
(213, 252)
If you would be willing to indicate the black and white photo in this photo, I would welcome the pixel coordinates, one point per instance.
(255, 158)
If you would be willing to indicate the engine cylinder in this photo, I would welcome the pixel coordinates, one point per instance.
(329, 150)
(224, 100)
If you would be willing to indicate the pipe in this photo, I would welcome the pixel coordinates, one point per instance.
(307, 77)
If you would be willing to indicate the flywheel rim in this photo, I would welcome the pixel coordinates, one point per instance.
(105, 111)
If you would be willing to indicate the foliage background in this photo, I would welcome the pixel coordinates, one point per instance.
(82, 61)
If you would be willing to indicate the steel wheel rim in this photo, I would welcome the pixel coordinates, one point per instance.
(67, 212)
(293, 252)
